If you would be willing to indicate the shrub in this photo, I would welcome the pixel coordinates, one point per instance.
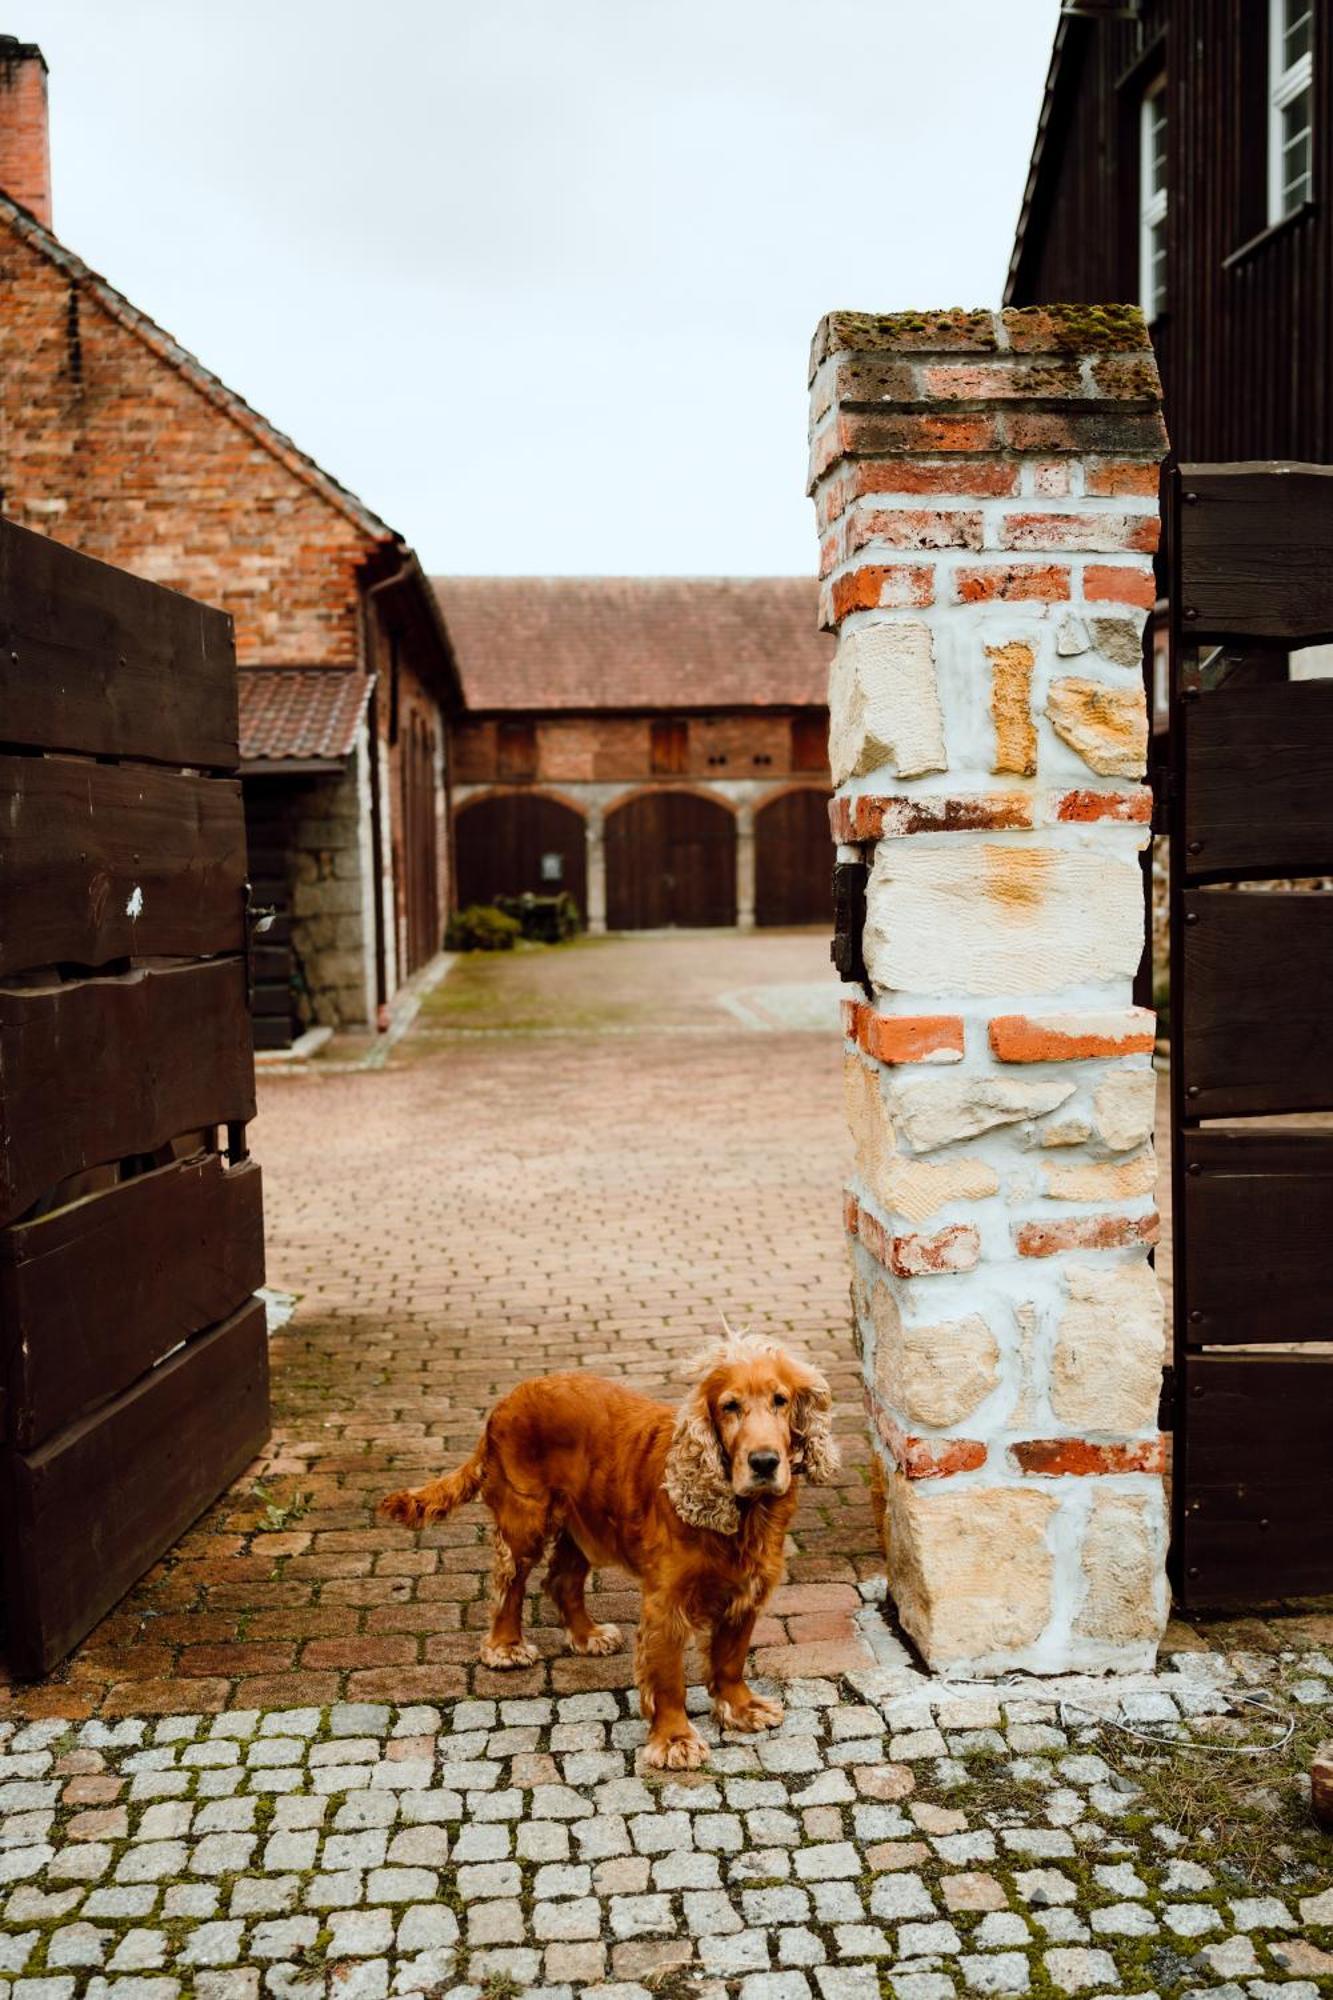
(481, 927)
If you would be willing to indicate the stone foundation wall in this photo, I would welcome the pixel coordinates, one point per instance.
(986, 492)
(332, 926)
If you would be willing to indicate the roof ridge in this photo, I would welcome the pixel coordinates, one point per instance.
(192, 370)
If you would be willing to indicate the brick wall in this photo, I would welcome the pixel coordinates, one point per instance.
(607, 748)
(109, 448)
(985, 487)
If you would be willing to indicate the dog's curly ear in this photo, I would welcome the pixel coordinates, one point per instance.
(696, 1479)
(816, 1453)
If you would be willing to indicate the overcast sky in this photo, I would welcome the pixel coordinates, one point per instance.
(536, 278)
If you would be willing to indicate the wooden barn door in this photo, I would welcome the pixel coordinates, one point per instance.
(133, 1354)
(520, 843)
(670, 859)
(1251, 830)
(793, 860)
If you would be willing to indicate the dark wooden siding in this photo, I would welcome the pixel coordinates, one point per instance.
(1245, 343)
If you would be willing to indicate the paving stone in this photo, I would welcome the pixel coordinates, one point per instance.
(1261, 1913)
(359, 1933)
(1075, 1969)
(581, 1918)
(894, 1897)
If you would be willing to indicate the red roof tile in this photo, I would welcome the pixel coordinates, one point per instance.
(616, 642)
(302, 714)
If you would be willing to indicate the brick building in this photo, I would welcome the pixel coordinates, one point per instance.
(656, 746)
(118, 442)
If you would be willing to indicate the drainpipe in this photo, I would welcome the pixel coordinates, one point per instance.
(376, 800)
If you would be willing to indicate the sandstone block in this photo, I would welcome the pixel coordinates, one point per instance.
(1123, 1555)
(907, 1187)
(1107, 726)
(1106, 1371)
(884, 705)
(985, 919)
(1125, 1106)
(1011, 708)
(1120, 639)
(929, 1112)
(936, 1374)
(969, 1568)
(1104, 1180)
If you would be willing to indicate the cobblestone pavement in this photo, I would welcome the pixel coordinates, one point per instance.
(893, 1836)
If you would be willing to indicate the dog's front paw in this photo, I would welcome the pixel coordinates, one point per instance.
(504, 1658)
(749, 1712)
(404, 1507)
(602, 1639)
(684, 1751)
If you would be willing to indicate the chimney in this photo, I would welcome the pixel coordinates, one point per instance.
(25, 152)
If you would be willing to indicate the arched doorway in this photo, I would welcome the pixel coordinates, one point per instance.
(513, 843)
(793, 859)
(670, 859)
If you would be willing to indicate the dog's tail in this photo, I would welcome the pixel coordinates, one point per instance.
(414, 1507)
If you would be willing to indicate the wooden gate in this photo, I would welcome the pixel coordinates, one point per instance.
(1250, 814)
(514, 842)
(793, 867)
(670, 859)
(133, 1355)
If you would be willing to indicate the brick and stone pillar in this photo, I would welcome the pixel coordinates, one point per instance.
(986, 489)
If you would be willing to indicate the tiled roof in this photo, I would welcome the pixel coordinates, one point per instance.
(300, 714)
(616, 642)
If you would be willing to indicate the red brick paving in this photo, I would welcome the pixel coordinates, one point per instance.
(491, 1206)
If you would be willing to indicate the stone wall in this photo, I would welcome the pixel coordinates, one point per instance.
(332, 878)
(985, 485)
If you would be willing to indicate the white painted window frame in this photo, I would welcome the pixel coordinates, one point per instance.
(1152, 203)
(1284, 85)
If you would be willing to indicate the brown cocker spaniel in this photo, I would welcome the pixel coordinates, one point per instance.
(696, 1503)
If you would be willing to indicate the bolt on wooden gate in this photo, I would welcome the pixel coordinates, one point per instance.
(1251, 829)
(133, 1354)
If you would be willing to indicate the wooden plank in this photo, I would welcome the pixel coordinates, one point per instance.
(96, 660)
(106, 861)
(93, 1295)
(103, 1068)
(84, 1516)
(1258, 1224)
(1257, 1033)
(793, 859)
(1257, 1523)
(1256, 551)
(1259, 780)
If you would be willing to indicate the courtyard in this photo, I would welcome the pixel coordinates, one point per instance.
(278, 1768)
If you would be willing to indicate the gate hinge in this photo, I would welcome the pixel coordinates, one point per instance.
(1166, 1401)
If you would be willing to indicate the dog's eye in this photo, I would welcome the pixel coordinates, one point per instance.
(731, 1408)
(779, 1402)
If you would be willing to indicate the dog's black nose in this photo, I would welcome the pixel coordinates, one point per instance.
(763, 1464)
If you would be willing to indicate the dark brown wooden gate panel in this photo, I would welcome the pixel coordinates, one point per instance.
(1251, 802)
(501, 843)
(793, 866)
(670, 860)
(133, 1354)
